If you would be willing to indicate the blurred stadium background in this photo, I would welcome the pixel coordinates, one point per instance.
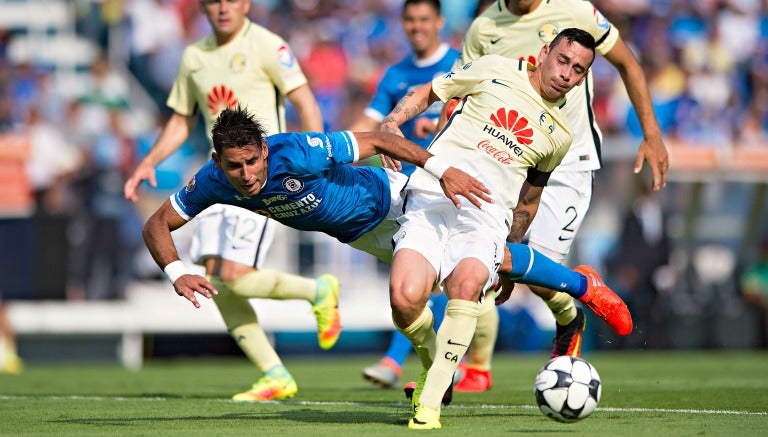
(82, 91)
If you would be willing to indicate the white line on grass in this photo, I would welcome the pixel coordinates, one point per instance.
(398, 404)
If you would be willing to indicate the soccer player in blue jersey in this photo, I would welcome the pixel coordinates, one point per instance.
(422, 23)
(302, 180)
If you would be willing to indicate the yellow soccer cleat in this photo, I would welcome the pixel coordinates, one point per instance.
(326, 309)
(425, 418)
(268, 389)
(12, 364)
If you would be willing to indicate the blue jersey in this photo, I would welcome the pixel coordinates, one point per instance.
(310, 186)
(403, 77)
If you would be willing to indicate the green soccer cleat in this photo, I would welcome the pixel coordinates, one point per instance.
(269, 389)
(326, 309)
(425, 418)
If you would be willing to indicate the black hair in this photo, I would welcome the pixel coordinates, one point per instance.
(236, 128)
(434, 3)
(579, 36)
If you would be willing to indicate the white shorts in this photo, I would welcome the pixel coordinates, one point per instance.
(445, 235)
(232, 233)
(378, 241)
(564, 203)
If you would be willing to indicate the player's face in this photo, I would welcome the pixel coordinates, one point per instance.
(422, 25)
(226, 17)
(562, 67)
(244, 167)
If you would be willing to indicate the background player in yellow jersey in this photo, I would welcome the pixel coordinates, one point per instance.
(511, 133)
(242, 63)
(516, 29)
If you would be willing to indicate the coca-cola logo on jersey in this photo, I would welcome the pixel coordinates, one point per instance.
(502, 156)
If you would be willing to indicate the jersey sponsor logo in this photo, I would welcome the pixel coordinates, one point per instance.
(494, 41)
(601, 21)
(499, 155)
(285, 56)
(295, 208)
(548, 32)
(292, 185)
(546, 121)
(500, 83)
(220, 98)
(237, 63)
(512, 121)
(190, 185)
(314, 141)
(273, 199)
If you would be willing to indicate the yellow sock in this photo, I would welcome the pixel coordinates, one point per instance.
(453, 338)
(422, 335)
(254, 343)
(562, 308)
(484, 341)
(242, 323)
(271, 284)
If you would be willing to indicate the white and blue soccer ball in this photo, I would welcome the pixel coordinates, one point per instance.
(567, 389)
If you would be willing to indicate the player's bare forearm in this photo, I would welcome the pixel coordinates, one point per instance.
(412, 104)
(157, 234)
(306, 108)
(652, 148)
(173, 135)
(525, 211)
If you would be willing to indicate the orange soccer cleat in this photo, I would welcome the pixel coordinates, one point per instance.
(604, 302)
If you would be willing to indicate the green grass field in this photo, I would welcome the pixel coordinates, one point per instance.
(644, 393)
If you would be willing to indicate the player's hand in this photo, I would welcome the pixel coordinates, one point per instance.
(655, 153)
(143, 172)
(390, 162)
(423, 127)
(187, 285)
(507, 287)
(456, 183)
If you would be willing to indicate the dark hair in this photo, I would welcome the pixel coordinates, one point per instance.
(579, 36)
(236, 128)
(434, 3)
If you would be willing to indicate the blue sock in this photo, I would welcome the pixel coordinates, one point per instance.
(532, 267)
(400, 347)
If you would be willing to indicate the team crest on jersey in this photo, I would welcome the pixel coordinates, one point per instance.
(292, 185)
(219, 98)
(600, 19)
(285, 56)
(548, 32)
(190, 185)
(512, 121)
(546, 121)
(237, 63)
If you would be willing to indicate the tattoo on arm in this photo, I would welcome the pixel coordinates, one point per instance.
(520, 223)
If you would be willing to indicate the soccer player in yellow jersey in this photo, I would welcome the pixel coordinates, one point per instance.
(246, 64)
(516, 29)
(510, 131)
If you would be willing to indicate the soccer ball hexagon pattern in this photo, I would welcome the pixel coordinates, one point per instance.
(567, 389)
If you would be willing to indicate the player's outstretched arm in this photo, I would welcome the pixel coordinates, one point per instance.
(157, 236)
(174, 133)
(652, 148)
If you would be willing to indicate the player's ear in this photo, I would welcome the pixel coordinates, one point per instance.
(543, 54)
(264, 149)
(216, 159)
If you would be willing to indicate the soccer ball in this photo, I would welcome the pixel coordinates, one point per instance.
(567, 389)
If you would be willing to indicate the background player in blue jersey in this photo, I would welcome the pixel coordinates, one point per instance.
(422, 23)
(302, 180)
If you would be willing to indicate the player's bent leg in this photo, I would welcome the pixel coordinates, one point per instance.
(604, 302)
